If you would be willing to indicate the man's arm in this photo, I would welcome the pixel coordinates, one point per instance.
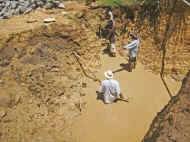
(119, 94)
(118, 90)
(102, 88)
(131, 45)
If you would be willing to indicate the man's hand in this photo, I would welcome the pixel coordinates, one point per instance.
(98, 80)
(121, 51)
(98, 92)
(122, 98)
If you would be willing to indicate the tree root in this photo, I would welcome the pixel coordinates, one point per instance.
(77, 57)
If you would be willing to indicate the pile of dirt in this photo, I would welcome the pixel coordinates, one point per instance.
(9, 8)
(172, 123)
(41, 80)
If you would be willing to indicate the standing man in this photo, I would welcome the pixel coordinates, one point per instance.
(110, 89)
(111, 33)
(133, 51)
(108, 32)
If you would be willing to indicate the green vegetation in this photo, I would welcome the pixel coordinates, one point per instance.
(110, 2)
(120, 2)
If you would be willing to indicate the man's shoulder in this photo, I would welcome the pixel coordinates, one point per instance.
(114, 81)
(104, 81)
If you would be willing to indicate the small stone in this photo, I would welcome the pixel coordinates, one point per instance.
(49, 20)
(61, 6)
(49, 5)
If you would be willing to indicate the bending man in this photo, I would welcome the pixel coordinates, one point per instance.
(110, 89)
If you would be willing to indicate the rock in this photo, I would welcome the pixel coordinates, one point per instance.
(49, 5)
(40, 3)
(49, 20)
(14, 4)
(61, 6)
(7, 3)
(28, 10)
(23, 8)
(17, 11)
(56, 2)
(9, 8)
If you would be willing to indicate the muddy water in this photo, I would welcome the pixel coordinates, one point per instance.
(121, 121)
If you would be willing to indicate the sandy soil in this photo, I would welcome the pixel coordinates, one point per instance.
(121, 121)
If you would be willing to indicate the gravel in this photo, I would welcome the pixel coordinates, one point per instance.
(8, 8)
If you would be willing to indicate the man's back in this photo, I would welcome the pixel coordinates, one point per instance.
(111, 90)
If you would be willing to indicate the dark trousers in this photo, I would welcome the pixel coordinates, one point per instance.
(132, 63)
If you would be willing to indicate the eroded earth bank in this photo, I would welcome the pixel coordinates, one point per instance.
(172, 123)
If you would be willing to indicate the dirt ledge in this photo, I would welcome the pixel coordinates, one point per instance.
(172, 124)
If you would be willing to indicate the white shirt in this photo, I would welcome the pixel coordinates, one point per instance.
(133, 47)
(111, 15)
(111, 90)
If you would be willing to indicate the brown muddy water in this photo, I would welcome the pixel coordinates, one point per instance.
(121, 121)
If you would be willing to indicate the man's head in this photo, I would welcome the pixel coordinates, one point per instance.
(108, 9)
(107, 12)
(108, 74)
(133, 36)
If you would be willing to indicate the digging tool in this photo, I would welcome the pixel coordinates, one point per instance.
(117, 99)
(120, 99)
